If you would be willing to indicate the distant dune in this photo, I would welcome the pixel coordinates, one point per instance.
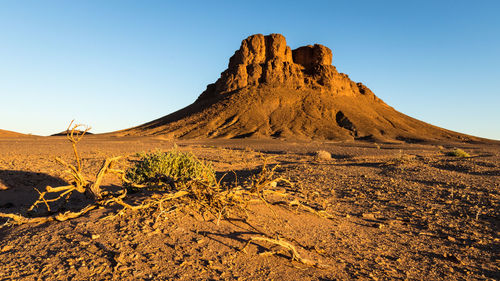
(9, 134)
(63, 133)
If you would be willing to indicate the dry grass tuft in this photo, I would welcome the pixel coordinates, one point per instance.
(266, 178)
(457, 152)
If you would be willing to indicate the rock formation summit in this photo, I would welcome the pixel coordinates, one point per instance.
(267, 60)
(272, 91)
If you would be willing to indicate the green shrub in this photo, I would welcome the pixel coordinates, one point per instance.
(165, 170)
(458, 153)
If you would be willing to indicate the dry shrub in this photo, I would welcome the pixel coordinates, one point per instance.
(198, 188)
(159, 170)
(457, 152)
(186, 178)
(78, 183)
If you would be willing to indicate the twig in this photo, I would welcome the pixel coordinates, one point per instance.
(287, 245)
(18, 219)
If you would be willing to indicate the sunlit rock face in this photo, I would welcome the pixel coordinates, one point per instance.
(267, 60)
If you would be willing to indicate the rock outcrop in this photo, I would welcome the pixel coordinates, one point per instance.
(310, 56)
(272, 91)
(267, 60)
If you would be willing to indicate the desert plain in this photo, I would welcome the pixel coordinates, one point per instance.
(396, 211)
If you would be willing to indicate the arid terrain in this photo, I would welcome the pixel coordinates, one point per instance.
(395, 211)
(316, 178)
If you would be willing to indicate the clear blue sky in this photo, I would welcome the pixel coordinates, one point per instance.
(117, 64)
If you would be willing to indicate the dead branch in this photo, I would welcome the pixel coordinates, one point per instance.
(75, 136)
(266, 178)
(18, 219)
(41, 199)
(320, 213)
(287, 245)
(147, 204)
(79, 183)
(95, 188)
(71, 215)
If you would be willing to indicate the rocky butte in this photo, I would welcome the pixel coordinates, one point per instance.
(272, 91)
(269, 61)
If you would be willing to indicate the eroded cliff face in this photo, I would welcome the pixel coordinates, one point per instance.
(268, 60)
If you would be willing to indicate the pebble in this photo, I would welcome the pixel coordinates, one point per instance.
(369, 216)
(6, 248)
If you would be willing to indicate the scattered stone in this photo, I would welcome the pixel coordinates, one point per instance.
(368, 216)
(323, 155)
(6, 248)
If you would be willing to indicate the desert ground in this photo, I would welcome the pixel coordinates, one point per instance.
(373, 211)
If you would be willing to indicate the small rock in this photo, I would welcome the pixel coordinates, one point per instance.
(323, 155)
(368, 216)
